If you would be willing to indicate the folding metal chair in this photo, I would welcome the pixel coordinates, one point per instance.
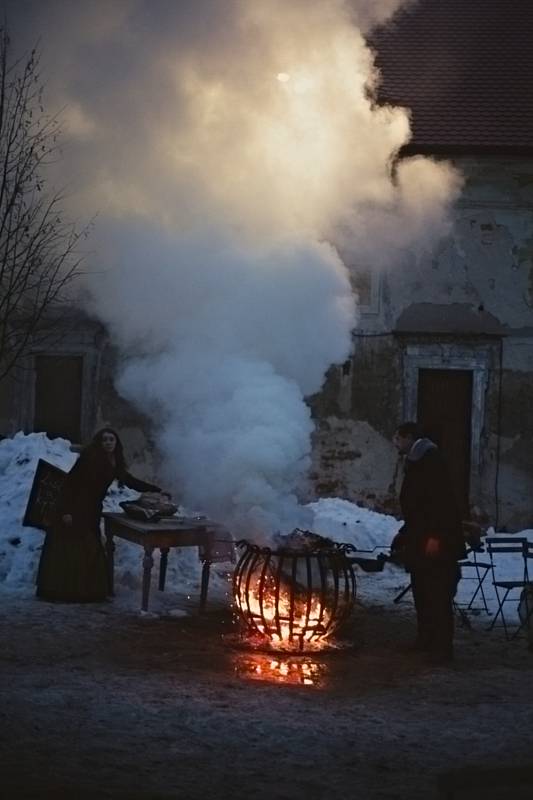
(472, 532)
(480, 569)
(401, 594)
(509, 556)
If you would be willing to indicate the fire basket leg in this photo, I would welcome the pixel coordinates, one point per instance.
(205, 585)
(148, 563)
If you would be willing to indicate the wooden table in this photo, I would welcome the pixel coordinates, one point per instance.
(167, 533)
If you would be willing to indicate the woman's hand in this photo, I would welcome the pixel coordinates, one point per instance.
(67, 519)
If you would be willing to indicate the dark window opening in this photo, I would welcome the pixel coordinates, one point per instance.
(58, 387)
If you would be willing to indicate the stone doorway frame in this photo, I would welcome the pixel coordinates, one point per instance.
(84, 339)
(477, 357)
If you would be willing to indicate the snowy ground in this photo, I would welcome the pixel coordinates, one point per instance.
(100, 702)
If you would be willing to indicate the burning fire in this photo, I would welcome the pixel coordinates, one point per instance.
(295, 597)
(285, 620)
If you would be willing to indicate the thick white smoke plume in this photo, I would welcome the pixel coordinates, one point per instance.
(227, 146)
(229, 339)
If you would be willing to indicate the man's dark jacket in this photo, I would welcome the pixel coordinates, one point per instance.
(429, 509)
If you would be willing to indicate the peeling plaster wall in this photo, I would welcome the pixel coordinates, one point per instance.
(353, 461)
(488, 259)
(486, 265)
(356, 414)
(515, 479)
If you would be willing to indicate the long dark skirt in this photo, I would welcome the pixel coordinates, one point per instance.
(73, 566)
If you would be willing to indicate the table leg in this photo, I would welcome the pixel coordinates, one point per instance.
(110, 553)
(148, 563)
(205, 585)
(163, 567)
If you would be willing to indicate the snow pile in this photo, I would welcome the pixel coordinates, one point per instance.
(20, 546)
(343, 521)
(337, 519)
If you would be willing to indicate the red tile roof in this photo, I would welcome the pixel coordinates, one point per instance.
(465, 69)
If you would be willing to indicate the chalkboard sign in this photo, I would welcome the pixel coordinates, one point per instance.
(44, 494)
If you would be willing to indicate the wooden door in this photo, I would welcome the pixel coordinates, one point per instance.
(445, 414)
(58, 387)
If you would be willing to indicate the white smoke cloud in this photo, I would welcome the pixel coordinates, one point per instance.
(224, 144)
(224, 341)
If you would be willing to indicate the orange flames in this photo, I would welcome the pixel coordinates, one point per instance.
(295, 597)
(284, 620)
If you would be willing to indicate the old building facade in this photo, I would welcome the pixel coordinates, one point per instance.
(446, 339)
(66, 388)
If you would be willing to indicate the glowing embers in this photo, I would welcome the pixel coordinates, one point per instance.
(296, 670)
(295, 597)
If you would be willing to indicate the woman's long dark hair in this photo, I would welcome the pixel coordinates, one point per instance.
(95, 447)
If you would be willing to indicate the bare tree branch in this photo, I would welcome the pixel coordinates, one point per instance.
(39, 251)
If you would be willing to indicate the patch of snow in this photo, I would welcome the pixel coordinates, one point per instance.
(340, 520)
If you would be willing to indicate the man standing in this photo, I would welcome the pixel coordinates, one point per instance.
(431, 540)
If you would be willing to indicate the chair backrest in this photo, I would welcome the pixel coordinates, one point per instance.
(472, 532)
(509, 556)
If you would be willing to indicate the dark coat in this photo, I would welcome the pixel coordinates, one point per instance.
(73, 565)
(429, 509)
(86, 486)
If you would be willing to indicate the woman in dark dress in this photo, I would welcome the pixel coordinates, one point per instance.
(73, 565)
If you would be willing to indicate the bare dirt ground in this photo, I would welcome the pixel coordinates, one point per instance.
(98, 702)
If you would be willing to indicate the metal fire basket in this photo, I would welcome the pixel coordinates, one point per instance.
(293, 598)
